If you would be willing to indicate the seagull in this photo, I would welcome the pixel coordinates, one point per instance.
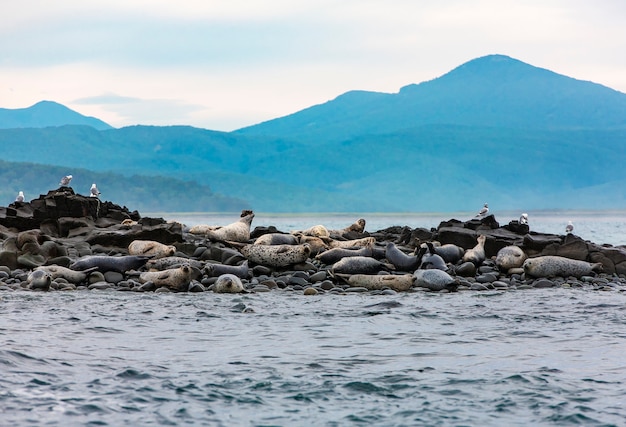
(20, 197)
(569, 227)
(523, 219)
(65, 181)
(483, 212)
(94, 191)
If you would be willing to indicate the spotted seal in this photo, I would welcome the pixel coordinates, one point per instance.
(401, 260)
(72, 276)
(314, 231)
(357, 227)
(104, 263)
(39, 279)
(172, 262)
(150, 248)
(360, 264)
(228, 283)
(364, 241)
(431, 259)
(177, 279)
(476, 255)
(510, 257)
(238, 231)
(397, 282)
(434, 279)
(276, 255)
(552, 265)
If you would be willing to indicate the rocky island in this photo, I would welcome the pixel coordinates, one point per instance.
(64, 241)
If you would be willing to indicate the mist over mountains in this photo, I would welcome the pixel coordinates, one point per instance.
(492, 130)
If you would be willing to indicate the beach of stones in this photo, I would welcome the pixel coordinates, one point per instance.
(51, 234)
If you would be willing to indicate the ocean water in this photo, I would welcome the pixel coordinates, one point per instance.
(541, 357)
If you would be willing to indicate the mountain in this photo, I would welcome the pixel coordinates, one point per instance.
(494, 90)
(492, 130)
(46, 114)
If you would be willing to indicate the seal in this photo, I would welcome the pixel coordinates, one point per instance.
(360, 265)
(276, 239)
(315, 231)
(276, 255)
(333, 255)
(238, 231)
(72, 276)
(364, 241)
(476, 255)
(104, 263)
(172, 262)
(449, 252)
(552, 265)
(150, 248)
(434, 279)
(177, 279)
(397, 282)
(40, 280)
(317, 244)
(510, 257)
(430, 259)
(216, 269)
(228, 283)
(400, 260)
(357, 227)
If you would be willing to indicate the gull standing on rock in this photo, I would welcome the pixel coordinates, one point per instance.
(94, 192)
(65, 181)
(20, 197)
(483, 212)
(523, 219)
(569, 227)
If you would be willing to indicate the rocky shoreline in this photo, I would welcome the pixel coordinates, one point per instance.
(66, 241)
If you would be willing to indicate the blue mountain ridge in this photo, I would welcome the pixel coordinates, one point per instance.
(493, 129)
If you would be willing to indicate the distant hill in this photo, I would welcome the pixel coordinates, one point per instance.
(45, 114)
(493, 130)
(494, 90)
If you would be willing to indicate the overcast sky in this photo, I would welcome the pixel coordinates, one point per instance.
(223, 65)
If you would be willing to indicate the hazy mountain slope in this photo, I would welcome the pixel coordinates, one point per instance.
(45, 114)
(495, 90)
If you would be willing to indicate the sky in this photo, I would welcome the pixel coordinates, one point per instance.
(224, 65)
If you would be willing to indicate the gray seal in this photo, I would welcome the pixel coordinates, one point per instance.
(431, 259)
(552, 265)
(333, 255)
(276, 239)
(360, 265)
(401, 260)
(216, 269)
(104, 263)
(228, 283)
(434, 279)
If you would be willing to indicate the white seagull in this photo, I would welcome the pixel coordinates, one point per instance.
(65, 181)
(94, 191)
(523, 219)
(483, 212)
(20, 197)
(569, 227)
